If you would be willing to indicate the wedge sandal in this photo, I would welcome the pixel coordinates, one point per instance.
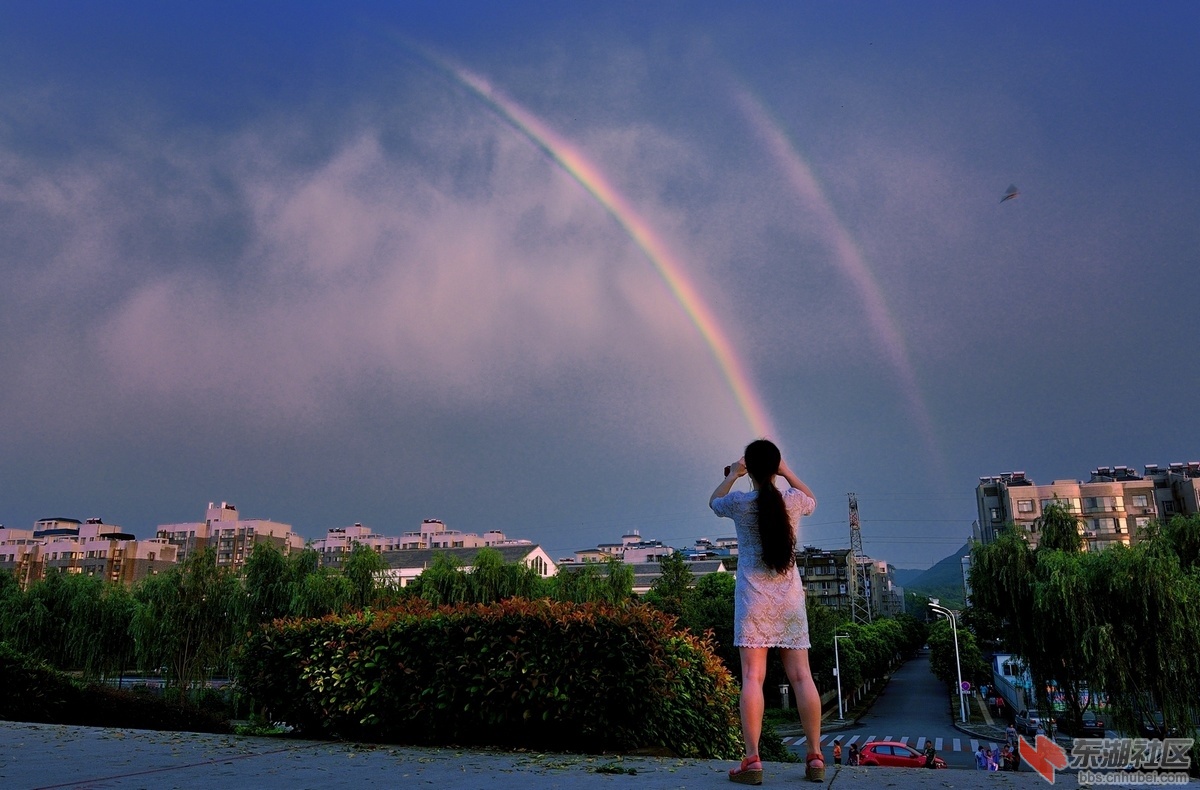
(748, 773)
(815, 773)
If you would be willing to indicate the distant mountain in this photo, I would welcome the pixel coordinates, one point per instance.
(942, 581)
(905, 576)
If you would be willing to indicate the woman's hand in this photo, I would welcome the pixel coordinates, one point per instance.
(737, 468)
(732, 473)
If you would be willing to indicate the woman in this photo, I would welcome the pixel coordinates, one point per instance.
(769, 596)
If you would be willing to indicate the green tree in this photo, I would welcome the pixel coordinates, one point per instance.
(99, 641)
(710, 609)
(188, 619)
(669, 593)
(323, 591)
(610, 583)
(942, 660)
(270, 584)
(1123, 620)
(362, 568)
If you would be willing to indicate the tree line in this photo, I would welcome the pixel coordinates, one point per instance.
(186, 622)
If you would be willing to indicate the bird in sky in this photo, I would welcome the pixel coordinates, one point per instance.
(1011, 193)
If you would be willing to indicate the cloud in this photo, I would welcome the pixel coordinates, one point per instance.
(237, 279)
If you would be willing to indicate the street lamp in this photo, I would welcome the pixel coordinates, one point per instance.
(962, 700)
(837, 669)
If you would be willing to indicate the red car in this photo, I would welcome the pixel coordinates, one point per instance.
(894, 753)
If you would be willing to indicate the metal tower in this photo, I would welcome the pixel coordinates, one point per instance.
(859, 582)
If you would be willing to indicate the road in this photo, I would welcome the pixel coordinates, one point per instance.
(911, 709)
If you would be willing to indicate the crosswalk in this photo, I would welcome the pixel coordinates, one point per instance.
(940, 744)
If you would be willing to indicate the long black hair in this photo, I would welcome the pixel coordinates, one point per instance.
(774, 529)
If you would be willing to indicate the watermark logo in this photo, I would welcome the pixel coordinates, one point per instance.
(1112, 761)
(1043, 756)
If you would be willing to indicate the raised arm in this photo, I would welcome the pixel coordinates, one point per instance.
(736, 470)
(795, 482)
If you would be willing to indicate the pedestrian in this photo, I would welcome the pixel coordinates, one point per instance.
(980, 759)
(930, 753)
(852, 759)
(991, 761)
(1010, 735)
(769, 597)
(837, 751)
(1006, 758)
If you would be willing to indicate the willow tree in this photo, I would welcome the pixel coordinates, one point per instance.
(188, 619)
(270, 585)
(362, 568)
(593, 582)
(1046, 611)
(1123, 621)
(98, 629)
(1146, 646)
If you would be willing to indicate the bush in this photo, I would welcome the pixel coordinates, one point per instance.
(36, 692)
(519, 673)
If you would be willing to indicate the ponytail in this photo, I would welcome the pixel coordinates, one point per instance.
(774, 528)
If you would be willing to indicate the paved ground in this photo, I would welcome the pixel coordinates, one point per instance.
(55, 756)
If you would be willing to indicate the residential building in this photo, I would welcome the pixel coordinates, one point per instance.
(826, 575)
(1176, 488)
(433, 534)
(1111, 507)
(229, 535)
(887, 597)
(90, 548)
(632, 549)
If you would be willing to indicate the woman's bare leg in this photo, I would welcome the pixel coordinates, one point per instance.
(808, 701)
(754, 674)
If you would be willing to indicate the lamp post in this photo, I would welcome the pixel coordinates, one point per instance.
(962, 700)
(837, 669)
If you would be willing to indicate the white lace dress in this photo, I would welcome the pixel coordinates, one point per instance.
(768, 608)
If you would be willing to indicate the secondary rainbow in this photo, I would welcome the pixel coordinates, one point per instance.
(665, 262)
(848, 257)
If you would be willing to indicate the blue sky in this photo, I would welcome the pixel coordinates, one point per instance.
(274, 254)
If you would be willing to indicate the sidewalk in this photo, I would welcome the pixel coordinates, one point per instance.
(54, 756)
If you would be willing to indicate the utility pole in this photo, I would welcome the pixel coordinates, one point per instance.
(859, 581)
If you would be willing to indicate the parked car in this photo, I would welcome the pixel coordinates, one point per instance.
(894, 753)
(1093, 726)
(1027, 722)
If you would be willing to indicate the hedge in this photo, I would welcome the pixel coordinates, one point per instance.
(530, 674)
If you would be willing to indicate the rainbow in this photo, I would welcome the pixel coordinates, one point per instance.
(848, 255)
(666, 263)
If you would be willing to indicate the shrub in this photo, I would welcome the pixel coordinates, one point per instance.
(518, 673)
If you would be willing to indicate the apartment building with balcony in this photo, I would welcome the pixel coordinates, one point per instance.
(90, 548)
(1111, 507)
(827, 577)
(230, 536)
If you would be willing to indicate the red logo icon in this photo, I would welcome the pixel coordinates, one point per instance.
(1044, 757)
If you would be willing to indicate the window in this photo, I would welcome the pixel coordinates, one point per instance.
(1024, 505)
(1140, 500)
